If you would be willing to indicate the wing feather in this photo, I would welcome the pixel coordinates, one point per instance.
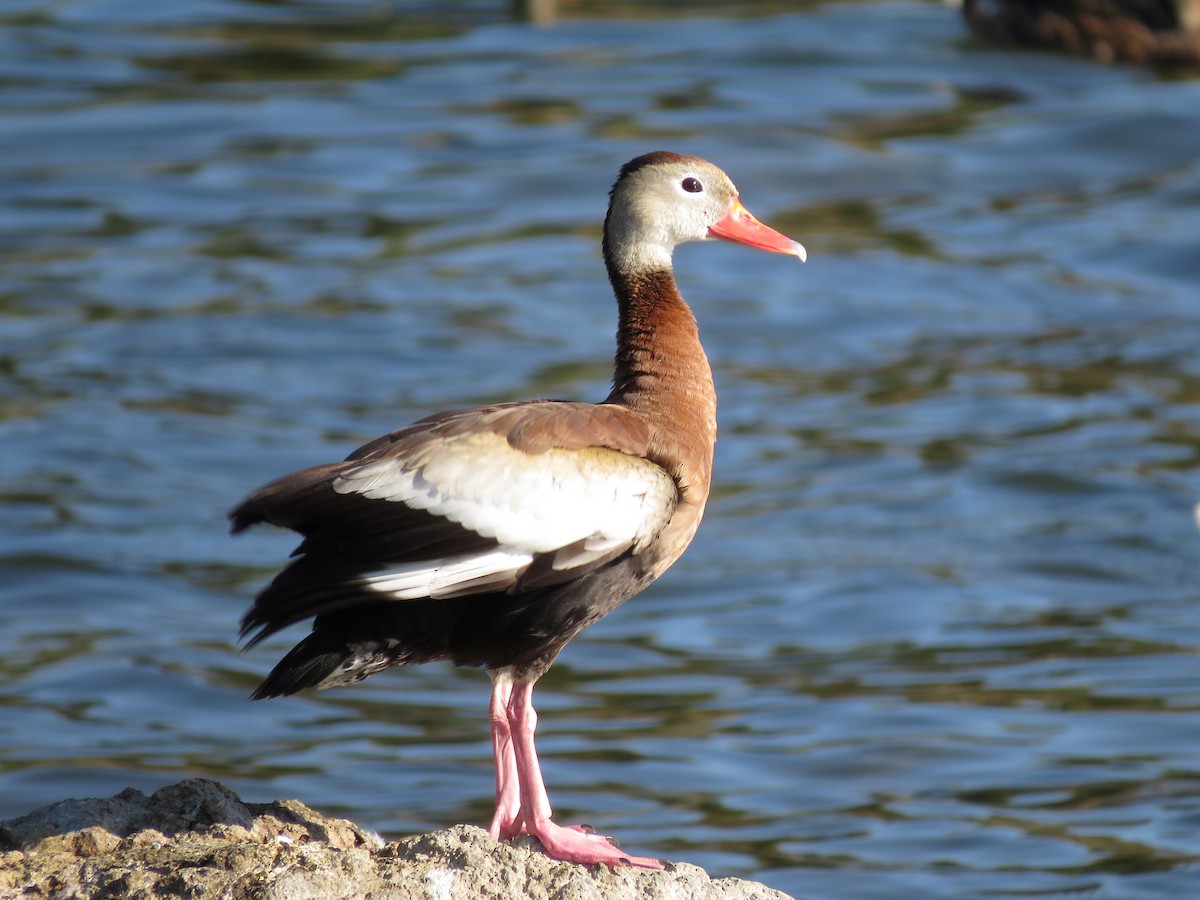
(537, 503)
(500, 500)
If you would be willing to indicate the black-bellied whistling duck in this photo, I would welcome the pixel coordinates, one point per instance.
(490, 537)
(1157, 32)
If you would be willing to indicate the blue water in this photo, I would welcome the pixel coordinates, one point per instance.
(938, 634)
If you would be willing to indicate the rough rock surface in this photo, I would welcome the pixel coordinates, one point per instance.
(197, 839)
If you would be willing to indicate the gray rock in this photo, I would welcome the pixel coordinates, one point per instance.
(197, 839)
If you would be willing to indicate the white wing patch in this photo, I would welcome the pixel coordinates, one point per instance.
(594, 502)
(450, 577)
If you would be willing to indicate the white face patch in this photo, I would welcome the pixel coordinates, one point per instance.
(654, 212)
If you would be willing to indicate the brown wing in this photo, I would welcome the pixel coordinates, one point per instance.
(503, 498)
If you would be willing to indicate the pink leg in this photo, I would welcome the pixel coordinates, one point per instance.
(570, 844)
(507, 821)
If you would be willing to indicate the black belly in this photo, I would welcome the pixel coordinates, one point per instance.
(525, 631)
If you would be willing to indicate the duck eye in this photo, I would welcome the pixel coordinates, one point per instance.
(692, 185)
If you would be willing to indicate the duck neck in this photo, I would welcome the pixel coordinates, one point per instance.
(662, 373)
